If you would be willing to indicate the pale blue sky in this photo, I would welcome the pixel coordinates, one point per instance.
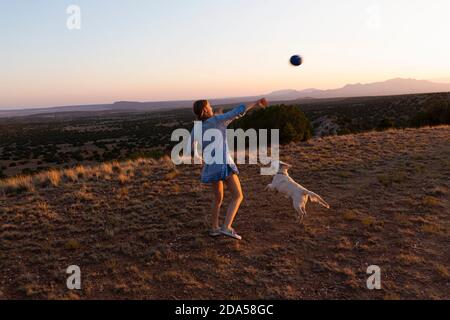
(166, 49)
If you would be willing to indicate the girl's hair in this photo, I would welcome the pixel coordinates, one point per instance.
(199, 109)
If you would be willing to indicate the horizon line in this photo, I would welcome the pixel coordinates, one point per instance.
(215, 98)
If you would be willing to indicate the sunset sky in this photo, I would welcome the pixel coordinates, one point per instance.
(144, 50)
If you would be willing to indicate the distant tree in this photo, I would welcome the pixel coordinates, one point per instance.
(292, 123)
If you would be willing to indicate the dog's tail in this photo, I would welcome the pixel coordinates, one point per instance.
(316, 198)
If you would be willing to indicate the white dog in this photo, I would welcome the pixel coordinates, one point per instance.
(284, 184)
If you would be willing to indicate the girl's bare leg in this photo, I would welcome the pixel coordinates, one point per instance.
(217, 203)
(234, 185)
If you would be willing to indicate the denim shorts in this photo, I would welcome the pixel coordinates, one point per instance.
(221, 173)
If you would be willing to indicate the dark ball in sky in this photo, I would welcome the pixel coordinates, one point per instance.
(296, 60)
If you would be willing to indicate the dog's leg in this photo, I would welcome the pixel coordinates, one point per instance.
(297, 206)
(302, 213)
(303, 210)
(303, 205)
(316, 198)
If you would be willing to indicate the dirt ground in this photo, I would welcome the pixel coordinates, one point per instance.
(138, 230)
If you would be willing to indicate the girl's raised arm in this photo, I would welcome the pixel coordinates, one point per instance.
(240, 111)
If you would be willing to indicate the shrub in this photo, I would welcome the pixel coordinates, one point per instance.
(292, 123)
(385, 124)
(435, 114)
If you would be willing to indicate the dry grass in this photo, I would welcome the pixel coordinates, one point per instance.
(116, 167)
(54, 177)
(80, 171)
(410, 259)
(176, 188)
(45, 211)
(106, 168)
(83, 194)
(123, 178)
(392, 297)
(49, 178)
(71, 175)
(138, 229)
(432, 202)
(17, 185)
(171, 175)
(442, 271)
(179, 277)
(391, 178)
(72, 245)
(350, 215)
(431, 228)
(439, 191)
(42, 206)
(369, 221)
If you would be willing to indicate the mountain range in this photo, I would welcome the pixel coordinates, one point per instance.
(396, 86)
(390, 87)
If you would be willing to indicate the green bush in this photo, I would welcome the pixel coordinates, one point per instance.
(292, 123)
(435, 114)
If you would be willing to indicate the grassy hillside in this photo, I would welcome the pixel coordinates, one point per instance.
(353, 115)
(41, 142)
(138, 229)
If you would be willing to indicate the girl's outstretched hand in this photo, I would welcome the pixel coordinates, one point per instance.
(263, 103)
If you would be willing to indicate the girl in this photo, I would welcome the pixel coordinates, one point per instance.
(226, 172)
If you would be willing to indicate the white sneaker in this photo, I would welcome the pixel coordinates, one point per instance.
(230, 233)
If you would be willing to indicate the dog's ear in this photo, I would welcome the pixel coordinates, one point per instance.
(284, 165)
(280, 165)
(275, 165)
